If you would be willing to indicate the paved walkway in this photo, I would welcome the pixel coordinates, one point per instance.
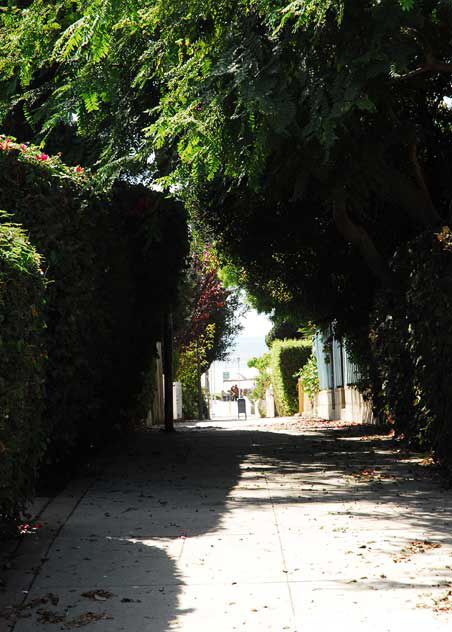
(281, 526)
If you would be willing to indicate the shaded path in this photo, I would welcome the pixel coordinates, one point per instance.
(281, 526)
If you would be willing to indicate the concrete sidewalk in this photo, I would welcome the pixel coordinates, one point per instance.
(261, 526)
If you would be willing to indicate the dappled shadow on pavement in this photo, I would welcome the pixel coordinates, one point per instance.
(351, 464)
(131, 533)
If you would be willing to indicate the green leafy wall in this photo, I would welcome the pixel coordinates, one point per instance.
(287, 358)
(23, 435)
(412, 342)
(111, 262)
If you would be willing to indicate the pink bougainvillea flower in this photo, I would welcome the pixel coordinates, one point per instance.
(42, 157)
(23, 147)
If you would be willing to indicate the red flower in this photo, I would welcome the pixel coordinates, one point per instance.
(79, 169)
(23, 147)
(42, 157)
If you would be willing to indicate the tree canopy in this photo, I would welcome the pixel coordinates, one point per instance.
(309, 138)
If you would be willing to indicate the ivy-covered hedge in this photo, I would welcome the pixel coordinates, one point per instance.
(70, 227)
(412, 338)
(23, 437)
(157, 249)
(112, 263)
(287, 358)
(389, 337)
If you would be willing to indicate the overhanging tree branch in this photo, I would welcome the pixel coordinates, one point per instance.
(432, 217)
(430, 66)
(359, 237)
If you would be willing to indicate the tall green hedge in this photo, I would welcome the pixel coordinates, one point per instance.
(112, 262)
(23, 437)
(412, 338)
(287, 357)
(157, 251)
(69, 225)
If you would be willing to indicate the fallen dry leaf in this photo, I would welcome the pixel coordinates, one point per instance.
(371, 474)
(21, 611)
(128, 600)
(440, 604)
(414, 547)
(444, 603)
(49, 616)
(54, 599)
(98, 595)
(85, 619)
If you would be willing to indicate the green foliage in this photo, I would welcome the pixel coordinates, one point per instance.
(287, 358)
(413, 343)
(68, 70)
(24, 430)
(309, 377)
(282, 330)
(407, 5)
(395, 367)
(192, 361)
(263, 380)
(274, 216)
(68, 225)
(225, 74)
(143, 288)
(112, 263)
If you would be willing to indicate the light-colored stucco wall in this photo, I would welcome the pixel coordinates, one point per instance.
(346, 404)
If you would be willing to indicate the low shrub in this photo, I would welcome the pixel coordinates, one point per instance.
(23, 428)
(287, 358)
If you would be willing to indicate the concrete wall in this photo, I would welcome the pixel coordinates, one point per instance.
(344, 403)
(269, 403)
(177, 400)
(356, 408)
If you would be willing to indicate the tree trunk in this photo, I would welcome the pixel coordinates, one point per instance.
(431, 215)
(359, 237)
